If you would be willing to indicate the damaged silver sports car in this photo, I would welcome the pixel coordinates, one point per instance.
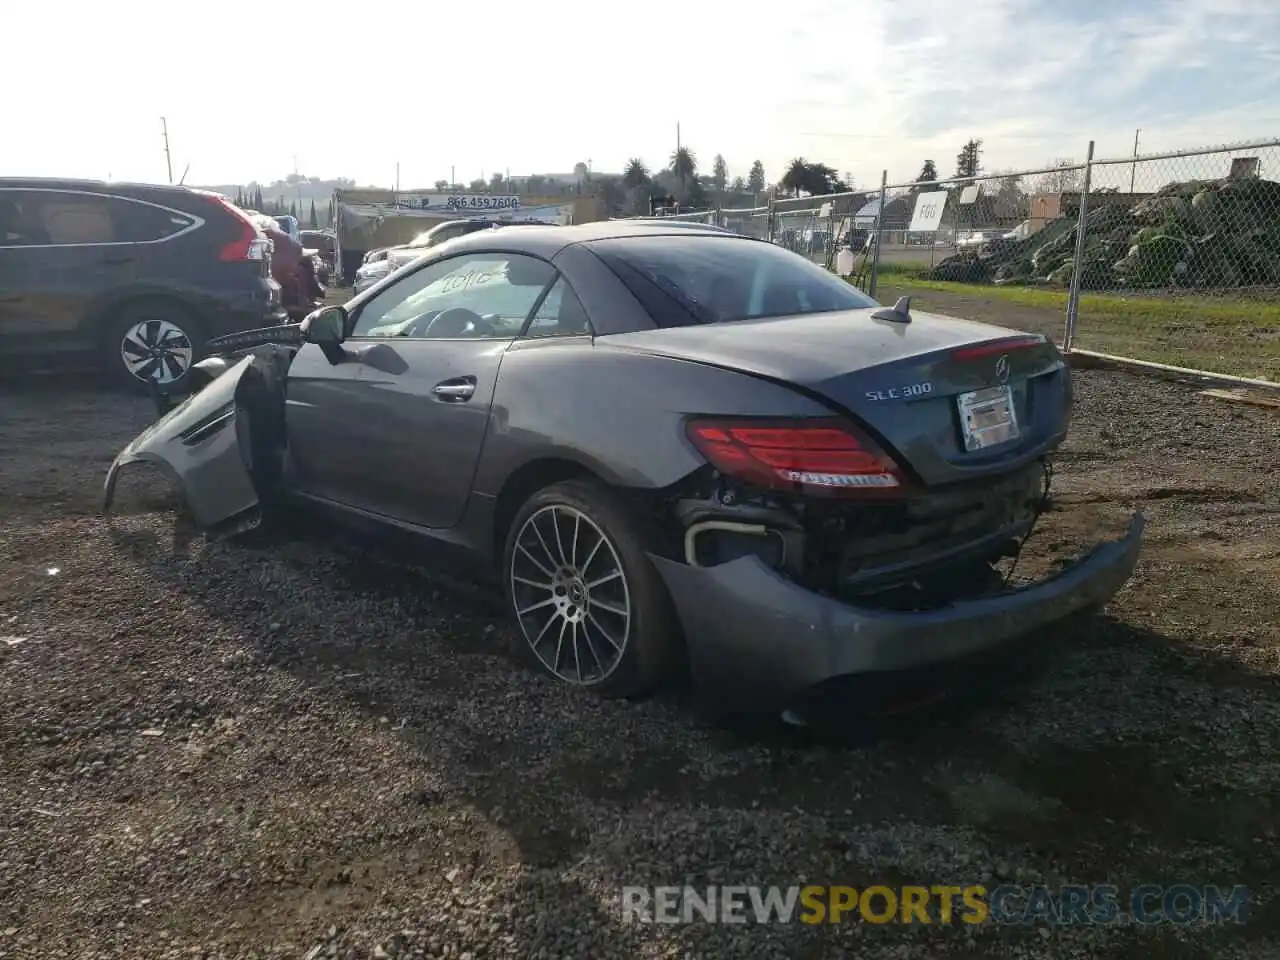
(673, 447)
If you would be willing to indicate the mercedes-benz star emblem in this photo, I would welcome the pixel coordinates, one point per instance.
(1002, 369)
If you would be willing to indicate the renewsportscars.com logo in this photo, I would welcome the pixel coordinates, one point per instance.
(1182, 904)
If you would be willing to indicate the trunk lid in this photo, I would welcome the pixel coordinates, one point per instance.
(937, 391)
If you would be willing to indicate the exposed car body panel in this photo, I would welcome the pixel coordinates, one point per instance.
(761, 639)
(201, 443)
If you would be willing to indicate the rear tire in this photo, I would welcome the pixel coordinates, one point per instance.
(589, 607)
(148, 337)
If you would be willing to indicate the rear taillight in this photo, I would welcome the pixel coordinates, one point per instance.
(250, 244)
(800, 456)
(992, 347)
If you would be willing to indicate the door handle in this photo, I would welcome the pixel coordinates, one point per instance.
(455, 391)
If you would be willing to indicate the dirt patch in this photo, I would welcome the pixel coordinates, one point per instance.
(298, 748)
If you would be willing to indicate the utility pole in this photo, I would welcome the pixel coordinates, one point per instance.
(1133, 168)
(168, 160)
(453, 177)
(397, 176)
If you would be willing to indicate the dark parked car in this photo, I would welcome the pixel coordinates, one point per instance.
(670, 445)
(132, 278)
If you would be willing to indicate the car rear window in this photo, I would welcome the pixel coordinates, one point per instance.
(687, 279)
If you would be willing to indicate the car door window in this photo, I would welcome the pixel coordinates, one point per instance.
(470, 296)
(18, 227)
(74, 218)
(559, 315)
(137, 222)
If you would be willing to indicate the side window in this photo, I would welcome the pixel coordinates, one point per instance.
(477, 295)
(18, 226)
(142, 223)
(73, 218)
(559, 315)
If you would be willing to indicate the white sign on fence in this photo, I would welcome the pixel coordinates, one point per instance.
(927, 214)
(458, 202)
(970, 194)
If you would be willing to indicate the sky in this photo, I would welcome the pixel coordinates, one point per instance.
(536, 87)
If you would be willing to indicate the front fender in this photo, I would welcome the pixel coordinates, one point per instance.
(202, 443)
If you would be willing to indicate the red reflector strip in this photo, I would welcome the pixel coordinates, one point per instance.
(780, 455)
(996, 346)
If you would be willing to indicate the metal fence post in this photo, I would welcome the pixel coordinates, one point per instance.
(1073, 297)
(770, 221)
(875, 254)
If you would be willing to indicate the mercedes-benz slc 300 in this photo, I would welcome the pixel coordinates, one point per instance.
(674, 448)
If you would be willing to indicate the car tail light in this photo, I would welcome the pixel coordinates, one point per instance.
(992, 347)
(250, 244)
(801, 456)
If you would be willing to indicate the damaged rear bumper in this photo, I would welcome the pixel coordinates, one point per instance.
(760, 641)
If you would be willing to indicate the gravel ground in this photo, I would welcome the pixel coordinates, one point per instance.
(294, 749)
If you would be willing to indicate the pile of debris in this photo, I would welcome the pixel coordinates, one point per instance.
(1201, 234)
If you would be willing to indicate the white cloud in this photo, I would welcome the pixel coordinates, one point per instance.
(861, 86)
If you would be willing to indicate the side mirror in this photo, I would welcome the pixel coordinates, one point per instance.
(326, 325)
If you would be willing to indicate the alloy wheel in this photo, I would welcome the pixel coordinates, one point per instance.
(571, 595)
(156, 351)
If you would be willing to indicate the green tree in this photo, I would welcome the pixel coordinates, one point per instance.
(311, 219)
(755, 179)
(257, 198)
(793, 181)
(928, 172)
(969, 160)
(496, 181)
(738, 186)
(441, 185)
(635, 174)
(719, 173)
(685, 166)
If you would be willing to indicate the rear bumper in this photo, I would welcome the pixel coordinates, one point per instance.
(759, 641)
(251, 311)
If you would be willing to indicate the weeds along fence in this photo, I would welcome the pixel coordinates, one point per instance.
(1171, 260)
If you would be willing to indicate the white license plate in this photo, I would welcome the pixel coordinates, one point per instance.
(987, 417)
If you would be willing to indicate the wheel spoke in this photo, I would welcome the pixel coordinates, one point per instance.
(541, 585)
(577, 660)
(536, 606)
(559, 644)
(605, 579)
(573, 544)
(592, 555)
(545, 627)
(591, 648)
(151, 333)
(591, 618)
(543, 543)
(534, 561)
(555, 527)
(609, 608)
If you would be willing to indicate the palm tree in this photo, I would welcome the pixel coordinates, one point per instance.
(636, 174)
(684, 165)
(796, 177)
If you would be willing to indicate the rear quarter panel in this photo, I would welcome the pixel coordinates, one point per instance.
(618, 413)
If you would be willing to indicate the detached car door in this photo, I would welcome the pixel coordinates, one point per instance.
(449, 324)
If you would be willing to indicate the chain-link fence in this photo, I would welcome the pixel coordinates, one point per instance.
(1179, 260)
(1178, 254)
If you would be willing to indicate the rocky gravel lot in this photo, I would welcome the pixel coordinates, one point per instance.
(296, 749)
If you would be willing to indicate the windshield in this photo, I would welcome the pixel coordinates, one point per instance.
(712, 278)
